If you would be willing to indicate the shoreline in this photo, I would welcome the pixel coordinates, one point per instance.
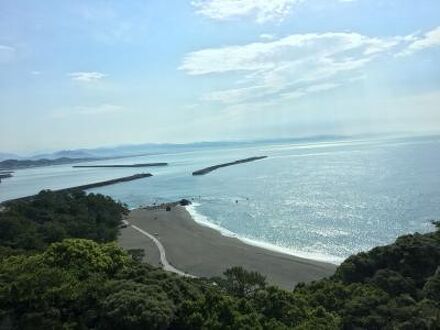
(203, 220)
(205, 252)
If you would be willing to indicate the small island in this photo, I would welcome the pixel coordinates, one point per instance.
(215, 167)
(119, 166)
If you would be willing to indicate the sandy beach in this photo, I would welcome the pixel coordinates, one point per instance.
(204, 252)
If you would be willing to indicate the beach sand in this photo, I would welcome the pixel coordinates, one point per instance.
(204, 252)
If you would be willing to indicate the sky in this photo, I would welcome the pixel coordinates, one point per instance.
(90, 73)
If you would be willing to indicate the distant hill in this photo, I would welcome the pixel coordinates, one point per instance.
(72, 154)
(159, 148)
(4, 156)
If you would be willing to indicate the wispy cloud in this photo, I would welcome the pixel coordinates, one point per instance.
(300, 92)
(261, 10)
(289, 67)
(87, 77)
(267, 36)
(277, 54)
(7, 54)
(427, 40)
(99, 109)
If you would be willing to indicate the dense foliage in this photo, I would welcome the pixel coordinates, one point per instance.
(33, 223)
(79, 283)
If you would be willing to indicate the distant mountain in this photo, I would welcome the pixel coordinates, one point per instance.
(4, 156)
(131, 150)
(152, 149)
(73, 154)
(160, 148)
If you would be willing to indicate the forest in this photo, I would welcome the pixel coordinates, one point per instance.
(61, 268)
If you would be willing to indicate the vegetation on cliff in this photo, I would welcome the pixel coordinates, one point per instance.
(59, 269)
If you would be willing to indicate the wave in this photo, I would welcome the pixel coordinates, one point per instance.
(205, 221)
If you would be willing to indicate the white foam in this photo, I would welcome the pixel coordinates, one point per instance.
(205, 221)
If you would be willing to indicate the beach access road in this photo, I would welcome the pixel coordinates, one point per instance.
(163, 258)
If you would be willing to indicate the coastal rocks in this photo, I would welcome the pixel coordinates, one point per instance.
(184, 202)
(167, 206)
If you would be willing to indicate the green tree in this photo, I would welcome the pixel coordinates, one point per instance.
(137, 254)
(320, 319)
(241, 282)
(48, 217)
(432, 287)
(83, 257)
(132, 306)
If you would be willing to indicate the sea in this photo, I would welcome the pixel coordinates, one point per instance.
(322, 200)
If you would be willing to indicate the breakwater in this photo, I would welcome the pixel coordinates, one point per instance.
(237, 162)
(92, 185)
(123, 166)
(109, 182)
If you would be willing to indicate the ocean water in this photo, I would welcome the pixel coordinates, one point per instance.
(320, 200)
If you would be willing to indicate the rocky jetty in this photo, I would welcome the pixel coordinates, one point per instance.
(94, 185)
(215, 167)
(110, 182)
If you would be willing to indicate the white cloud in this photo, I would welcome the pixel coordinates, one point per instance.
(267, 36)
(87, 77)
(295, 65)
(235, 95)
(7, 54)
(262, 10)
(98, 110)
(288, 50)
(428, 40)
(300, 92)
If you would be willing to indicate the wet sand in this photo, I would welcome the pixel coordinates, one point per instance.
(204, 252)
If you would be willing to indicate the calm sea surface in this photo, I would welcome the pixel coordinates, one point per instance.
(319, 200)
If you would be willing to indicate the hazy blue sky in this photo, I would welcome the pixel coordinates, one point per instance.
(90, 73)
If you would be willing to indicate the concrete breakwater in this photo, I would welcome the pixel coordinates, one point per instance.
(215, 167)
(123, 166)
(109, 182)
(93, 185)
